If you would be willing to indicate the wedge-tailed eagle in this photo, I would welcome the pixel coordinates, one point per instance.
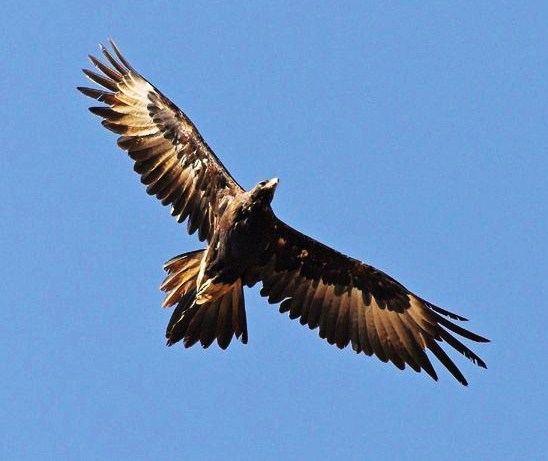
(349, 301)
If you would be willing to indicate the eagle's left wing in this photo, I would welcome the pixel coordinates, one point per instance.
(174, 161)
(352, 302)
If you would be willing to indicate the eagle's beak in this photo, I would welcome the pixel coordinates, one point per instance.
(272, 183)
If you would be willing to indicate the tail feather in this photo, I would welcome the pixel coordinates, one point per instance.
(221, 318)
(209, 325)
(224, 329)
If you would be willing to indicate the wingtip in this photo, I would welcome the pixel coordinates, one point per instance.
(113, 45)
(483, 340)
(95, 111)
(110, 41)
(445, 312)
(429, 369)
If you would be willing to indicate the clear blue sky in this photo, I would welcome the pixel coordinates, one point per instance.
(411, 136)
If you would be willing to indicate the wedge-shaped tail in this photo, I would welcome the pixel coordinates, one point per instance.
(219, 319)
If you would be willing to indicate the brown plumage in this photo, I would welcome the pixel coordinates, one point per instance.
(349, 301)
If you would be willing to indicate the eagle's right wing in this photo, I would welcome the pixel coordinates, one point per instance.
(174, 161)
(352, 302)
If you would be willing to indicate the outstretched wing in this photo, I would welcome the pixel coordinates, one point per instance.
(352, 302)
(174, 161)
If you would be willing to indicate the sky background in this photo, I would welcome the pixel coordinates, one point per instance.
(413, 137)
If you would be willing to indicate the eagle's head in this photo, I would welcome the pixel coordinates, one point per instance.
(263, 192)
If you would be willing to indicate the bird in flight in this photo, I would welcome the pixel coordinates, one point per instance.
(350, 302)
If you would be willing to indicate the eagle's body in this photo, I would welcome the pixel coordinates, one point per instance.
(350, 301)
(240, 241)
